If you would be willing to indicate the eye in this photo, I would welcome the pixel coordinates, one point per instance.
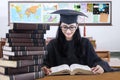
(72, 27)
(64, 27)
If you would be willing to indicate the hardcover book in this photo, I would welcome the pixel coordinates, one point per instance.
(7, 48)
(23, 53)
(28, 26)
(25, 76)
(28, 31)
(24, 44)
(20, 70)
(19, 63)
(24, 40)
(31, 57)
(24, 35)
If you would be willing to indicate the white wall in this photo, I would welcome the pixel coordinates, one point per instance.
(107, 37)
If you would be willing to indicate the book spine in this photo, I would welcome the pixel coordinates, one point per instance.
(25, 44)
(31, 57)
(24, 53)
(19, 63)
(21, 70)
(25, 26)
(22, 63)
(24, 40)
(25, 76)
(23, 48)
(44, 26)
(28, 31)
(22, 35)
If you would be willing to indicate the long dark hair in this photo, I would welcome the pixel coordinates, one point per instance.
(77, 39)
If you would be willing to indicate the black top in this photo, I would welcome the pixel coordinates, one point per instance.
(54, 58)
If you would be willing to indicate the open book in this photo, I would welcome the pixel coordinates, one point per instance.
(72, 69)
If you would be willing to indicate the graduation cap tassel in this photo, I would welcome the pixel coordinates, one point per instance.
(84, 30)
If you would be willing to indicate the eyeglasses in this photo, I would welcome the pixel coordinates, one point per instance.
(71, 27)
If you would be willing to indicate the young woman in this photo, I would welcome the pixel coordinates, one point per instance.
(69, 47)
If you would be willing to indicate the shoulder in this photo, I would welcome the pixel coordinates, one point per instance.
(51, 45)
(85, 40)
(52, 42)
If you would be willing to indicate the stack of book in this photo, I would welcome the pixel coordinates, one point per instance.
(23, 52)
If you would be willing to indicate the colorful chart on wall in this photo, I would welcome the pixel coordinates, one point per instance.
(98, 12)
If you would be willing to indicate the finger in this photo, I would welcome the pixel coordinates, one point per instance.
(99, 70)
(46, 70)
(92, 68)
(95, 70)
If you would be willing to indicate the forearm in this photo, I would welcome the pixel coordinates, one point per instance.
(104, 65)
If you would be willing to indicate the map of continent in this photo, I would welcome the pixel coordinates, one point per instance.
(23, 13)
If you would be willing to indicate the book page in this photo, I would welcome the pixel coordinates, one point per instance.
(61, 69)
(84, 67)
(81, 69)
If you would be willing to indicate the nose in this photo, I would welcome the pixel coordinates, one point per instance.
(68, 31)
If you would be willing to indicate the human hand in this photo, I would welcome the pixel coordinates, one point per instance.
(46, 70)
(97, 70)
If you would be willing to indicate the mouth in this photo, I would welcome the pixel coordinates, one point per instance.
(68, 34)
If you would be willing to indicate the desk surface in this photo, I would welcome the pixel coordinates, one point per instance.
(114, 62)
(104, 76)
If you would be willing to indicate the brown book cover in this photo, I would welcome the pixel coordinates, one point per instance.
(7, 48)
(21, 70)
(19, 63)
(25, 76)
(30, 57)
(24, 53)
(30, 26)
(24, 40)
(25, 44)
(28, 31)
(24, 35)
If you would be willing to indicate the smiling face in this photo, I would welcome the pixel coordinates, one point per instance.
(68, 30)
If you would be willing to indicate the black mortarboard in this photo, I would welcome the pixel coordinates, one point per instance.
(68, 16)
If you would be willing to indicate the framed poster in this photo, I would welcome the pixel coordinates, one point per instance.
(98, 12)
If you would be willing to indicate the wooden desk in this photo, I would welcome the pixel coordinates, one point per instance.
(103, 54)
(114, 62)
(93, 42)
(2, 43)
(104, 76)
